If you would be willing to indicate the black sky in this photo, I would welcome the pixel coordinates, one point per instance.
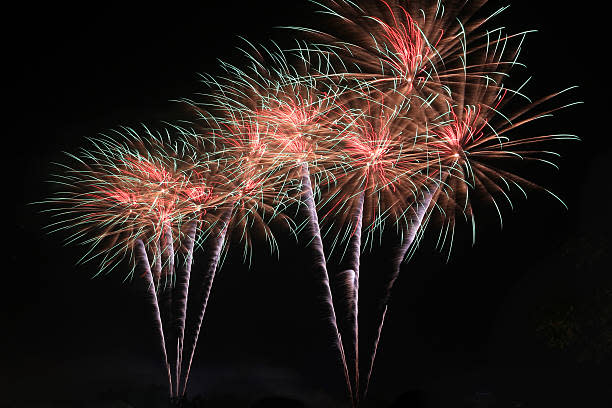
(454, 329)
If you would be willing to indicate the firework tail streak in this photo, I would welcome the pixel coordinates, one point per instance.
(352, 280)
(180, 295)
(143, 262)
(202, 293)
(411, 230)
(320, 266)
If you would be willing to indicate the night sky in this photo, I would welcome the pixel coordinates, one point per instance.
(457, 332)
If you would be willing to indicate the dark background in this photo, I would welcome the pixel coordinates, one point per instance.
(462, 332)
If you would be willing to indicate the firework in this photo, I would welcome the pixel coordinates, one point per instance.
(277, 124)
(445, 61)
(140, 198)
(485, 125)
(384, 154)
(399, 120)
(253, 197)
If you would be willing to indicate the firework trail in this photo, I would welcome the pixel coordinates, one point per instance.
(320, 266)
(243, 210)
(351, 278)
(202, 293)
(410, 234)
(180, 295)
(164, 276)
(143, 261)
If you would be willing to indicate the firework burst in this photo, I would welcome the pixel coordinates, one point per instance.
(121, 191)
(473, 143)
(139, 197)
